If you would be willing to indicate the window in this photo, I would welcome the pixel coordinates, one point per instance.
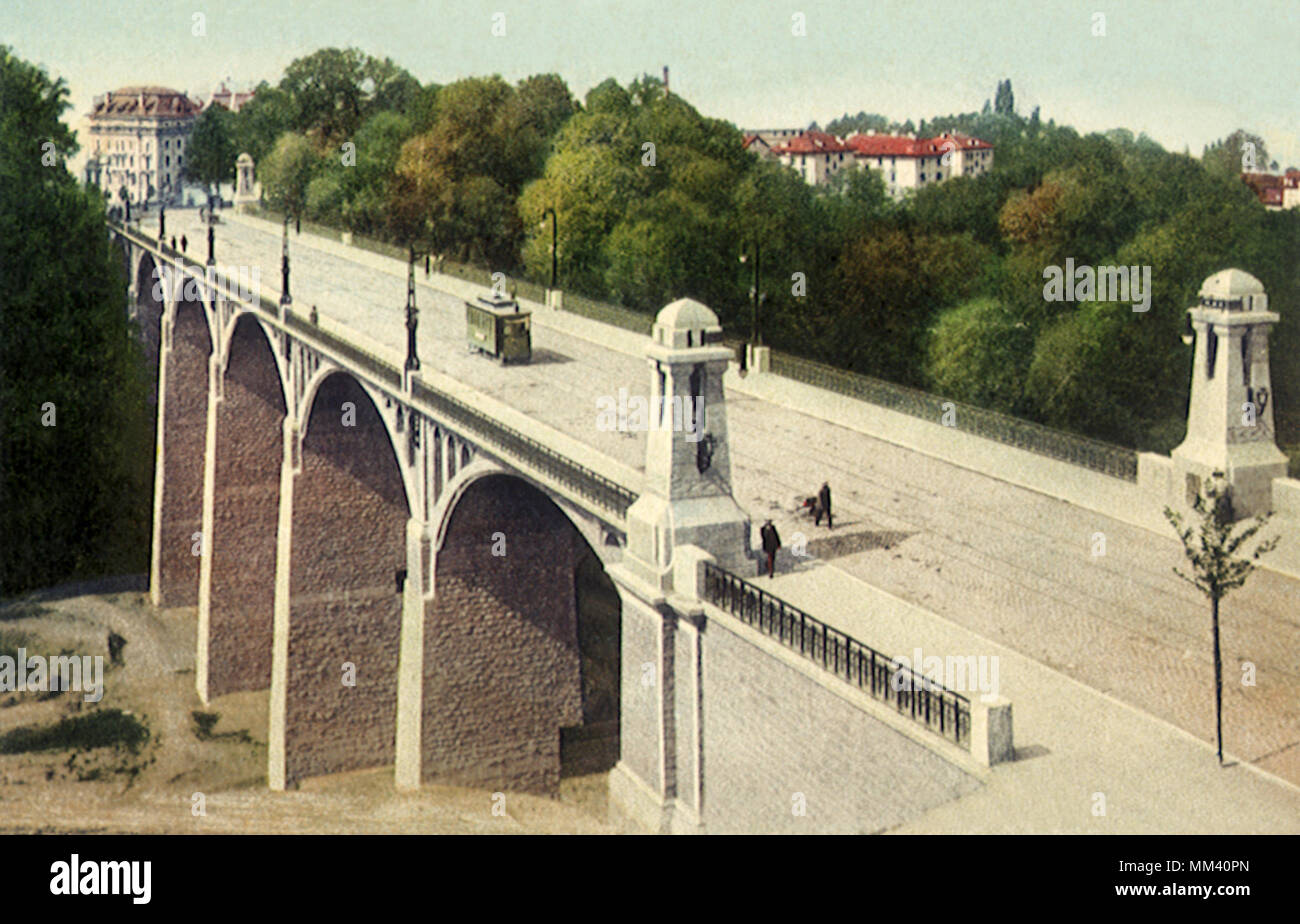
(1211, 350)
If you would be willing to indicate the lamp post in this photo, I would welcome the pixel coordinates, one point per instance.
(212, 259)
(555, 235)
(285, 298)
(756, 299)
(412, 313)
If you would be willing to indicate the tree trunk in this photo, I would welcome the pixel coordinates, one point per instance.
(1218, 680)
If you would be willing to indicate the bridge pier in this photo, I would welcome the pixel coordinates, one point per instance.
(410, 662)
(215, 396)
(276, 744)
(159, 470)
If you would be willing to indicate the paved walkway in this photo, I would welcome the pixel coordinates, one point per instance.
(1006, 563)
(1079, 750)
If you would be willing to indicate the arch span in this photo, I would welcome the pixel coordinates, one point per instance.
(148, 314)
(184, 411)
(522, 641)
(349, 532)
(249, 446)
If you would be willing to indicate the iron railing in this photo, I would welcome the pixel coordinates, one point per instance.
(928, 703)
(1107, 458)
(510, 443)
(578, 478)
(1097, 455)
(533, 289)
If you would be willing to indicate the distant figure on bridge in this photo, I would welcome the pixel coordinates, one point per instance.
(823, 506)
(771, 543)
(173, 242)
(184, 243)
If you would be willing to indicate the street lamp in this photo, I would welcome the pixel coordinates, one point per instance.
(285, 298)
(555, 234)
(756, 297)
(412, 313)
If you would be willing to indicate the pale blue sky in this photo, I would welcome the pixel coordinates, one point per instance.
(1184, 72)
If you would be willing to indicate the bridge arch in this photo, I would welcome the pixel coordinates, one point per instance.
(379, 401)
(184, 379)
(122, 250)
(349, 524)
(522, 641)
(248, 446)
(147, 311)
(238, 323)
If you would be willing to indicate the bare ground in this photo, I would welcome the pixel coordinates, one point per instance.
(161, 786)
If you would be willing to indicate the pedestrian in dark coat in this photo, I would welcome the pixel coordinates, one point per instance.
(173, 242)
(184, 243)
(771, 543)
(823, 505)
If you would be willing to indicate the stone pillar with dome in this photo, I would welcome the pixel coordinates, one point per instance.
(685, 516)
(1230, 414)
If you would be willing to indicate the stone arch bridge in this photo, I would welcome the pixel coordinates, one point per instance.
(418, 575)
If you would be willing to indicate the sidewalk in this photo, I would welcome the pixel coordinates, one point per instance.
(1072, 742)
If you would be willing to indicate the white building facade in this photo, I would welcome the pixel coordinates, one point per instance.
(138, 138)
(907, 163)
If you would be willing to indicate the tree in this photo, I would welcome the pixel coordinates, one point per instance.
(978, 352)
(1004, 101)
(367, 186)
(286, 173)
(75, 434)
(326, 87)
(1240, 152)
(1215, 569)
(210, 156)
(262, 120)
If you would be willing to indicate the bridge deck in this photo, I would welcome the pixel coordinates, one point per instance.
(1010, 565)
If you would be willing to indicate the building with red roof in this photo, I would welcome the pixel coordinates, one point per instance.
(903, 161)
(1273, 191)
(138, 136)
(907, 162)
(816, 156)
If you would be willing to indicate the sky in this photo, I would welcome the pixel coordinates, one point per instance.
(1186, 73)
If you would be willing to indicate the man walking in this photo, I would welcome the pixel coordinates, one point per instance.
(184, 243)
(823, 506)
(771, 543)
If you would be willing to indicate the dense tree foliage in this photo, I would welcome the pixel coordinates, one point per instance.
(943, 289)
(211, 154)
(75, 437)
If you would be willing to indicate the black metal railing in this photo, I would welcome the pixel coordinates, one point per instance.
(578, 478)
(574, 302)
(928, 703)
(1107, 458)
(520, 450)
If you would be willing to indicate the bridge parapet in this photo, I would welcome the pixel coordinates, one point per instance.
(311, 350)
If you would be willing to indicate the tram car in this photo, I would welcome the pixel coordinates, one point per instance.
(498, 328)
